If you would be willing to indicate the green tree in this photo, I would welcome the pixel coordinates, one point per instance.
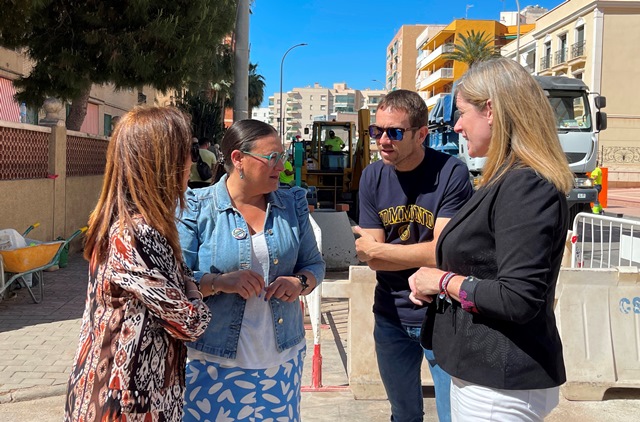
(74, 44)
(472, 48)
(206, 115)
(256, 87)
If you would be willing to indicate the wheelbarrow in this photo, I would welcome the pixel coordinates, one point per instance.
(33, 259)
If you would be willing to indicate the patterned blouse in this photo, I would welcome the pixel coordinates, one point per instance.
(130, 362)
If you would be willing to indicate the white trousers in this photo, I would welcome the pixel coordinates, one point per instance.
(472, 402)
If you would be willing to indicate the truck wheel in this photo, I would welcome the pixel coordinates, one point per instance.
(575, 210)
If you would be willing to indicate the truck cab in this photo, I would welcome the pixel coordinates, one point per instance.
(577, 129)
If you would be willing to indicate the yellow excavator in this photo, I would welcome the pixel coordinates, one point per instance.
(333, 160)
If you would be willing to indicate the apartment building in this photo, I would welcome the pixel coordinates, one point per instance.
(105, 103)
(401, 58)
(302, 106)
(436, 73)
(594, 41)
(262, 114)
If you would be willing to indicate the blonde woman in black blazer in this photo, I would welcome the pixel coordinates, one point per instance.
(498, 259)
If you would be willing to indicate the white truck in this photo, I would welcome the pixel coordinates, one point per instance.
(577, 128)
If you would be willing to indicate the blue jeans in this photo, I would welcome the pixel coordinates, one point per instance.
(399, 360)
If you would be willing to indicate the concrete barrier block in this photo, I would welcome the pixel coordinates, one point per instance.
(338, 242)
(362, 366)
(598, 314)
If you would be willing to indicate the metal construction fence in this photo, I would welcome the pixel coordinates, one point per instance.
(599, 241)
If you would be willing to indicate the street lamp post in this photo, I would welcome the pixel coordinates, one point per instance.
(375, 80)
(518, 34)
(281, 67)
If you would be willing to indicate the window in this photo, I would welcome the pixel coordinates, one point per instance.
(107, 125)
(561, 54)
(310, 97)
(323, 107)
(323, 98)
(577, 49)
(545, 60)
(310, 106)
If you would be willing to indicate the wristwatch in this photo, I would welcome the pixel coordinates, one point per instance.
(303, 281)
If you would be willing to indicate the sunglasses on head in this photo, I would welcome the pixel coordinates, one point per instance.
(393, 133)
(272, 159)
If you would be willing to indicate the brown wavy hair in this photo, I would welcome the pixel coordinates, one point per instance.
(146, 162)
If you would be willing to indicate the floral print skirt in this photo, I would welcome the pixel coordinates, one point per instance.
(223, 394)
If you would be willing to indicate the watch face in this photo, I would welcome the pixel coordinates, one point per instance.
(303, 280)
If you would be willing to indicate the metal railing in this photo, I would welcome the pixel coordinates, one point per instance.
(577, 49)
(600, 241)
(561, 56)
(545, 62)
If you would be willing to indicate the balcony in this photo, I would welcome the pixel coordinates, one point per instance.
(545, 62)
(431, 101)
(561, 56)
(435, 54)
(445, 73)
(578, 50)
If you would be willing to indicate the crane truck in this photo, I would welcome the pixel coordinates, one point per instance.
(576, 125)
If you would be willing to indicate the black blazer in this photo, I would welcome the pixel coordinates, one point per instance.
(510, 237)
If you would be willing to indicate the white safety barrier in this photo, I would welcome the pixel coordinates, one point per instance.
(598, 307)
(600, 241)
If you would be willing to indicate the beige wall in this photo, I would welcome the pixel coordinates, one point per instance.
(61, 205)
(621, 77)
(611, 68)
(401, 58)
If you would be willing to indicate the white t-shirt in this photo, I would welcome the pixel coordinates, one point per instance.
(257, 341)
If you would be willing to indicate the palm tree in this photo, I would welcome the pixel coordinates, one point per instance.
(256, 87)
(472, 48)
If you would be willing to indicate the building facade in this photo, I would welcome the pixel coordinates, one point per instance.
(592, 40)
(302, 106)
(104, 107)
(401, 58)
(436, 73)
(262, 114)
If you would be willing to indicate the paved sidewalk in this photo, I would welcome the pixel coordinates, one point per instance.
(38, 342)
(625, 202)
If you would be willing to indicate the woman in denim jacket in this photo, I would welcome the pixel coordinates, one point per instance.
(253, 251)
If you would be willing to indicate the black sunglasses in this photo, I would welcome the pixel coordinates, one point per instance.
(393, 133)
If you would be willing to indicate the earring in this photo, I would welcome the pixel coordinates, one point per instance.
(241, 173)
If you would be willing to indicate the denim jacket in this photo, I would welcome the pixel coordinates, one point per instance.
(215, 238)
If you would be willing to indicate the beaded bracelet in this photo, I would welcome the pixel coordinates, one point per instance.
(444, 283)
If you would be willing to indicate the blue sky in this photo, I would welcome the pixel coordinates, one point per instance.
(346, 39)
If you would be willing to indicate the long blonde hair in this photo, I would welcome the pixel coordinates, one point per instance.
(523, 132)
(146, 162)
